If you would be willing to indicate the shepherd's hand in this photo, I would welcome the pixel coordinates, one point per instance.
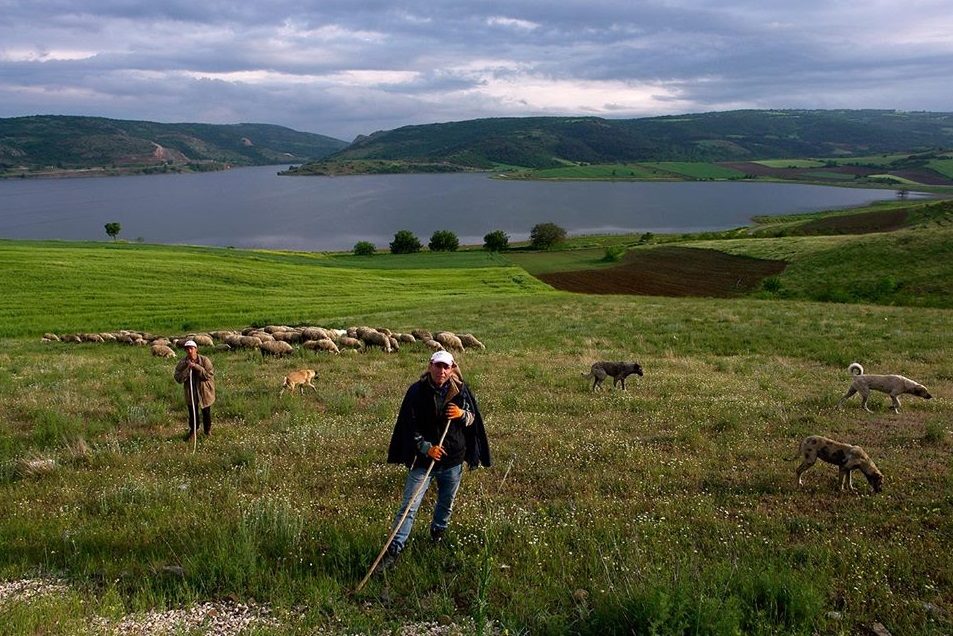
(436, 452)
(453, 411)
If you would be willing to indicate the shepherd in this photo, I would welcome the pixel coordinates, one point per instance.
(439, 427)
(197, 375)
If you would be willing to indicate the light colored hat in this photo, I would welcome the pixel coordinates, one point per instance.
(442, 356)
(190, 343)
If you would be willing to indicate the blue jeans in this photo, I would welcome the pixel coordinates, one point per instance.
(448, 482)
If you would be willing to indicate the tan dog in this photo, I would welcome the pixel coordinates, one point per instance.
(300, 379)
(846, 457)
(892, 385)
(618, 370)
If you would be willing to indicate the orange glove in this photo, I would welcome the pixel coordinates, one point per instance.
(436, 452)
(453, 411)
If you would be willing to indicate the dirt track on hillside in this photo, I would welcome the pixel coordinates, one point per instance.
(671, 271)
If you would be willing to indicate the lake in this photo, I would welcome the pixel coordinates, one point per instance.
(255, 208)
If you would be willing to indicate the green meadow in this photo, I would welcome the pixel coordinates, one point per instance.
(668, 508)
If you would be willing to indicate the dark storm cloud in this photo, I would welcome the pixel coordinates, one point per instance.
(348, 67)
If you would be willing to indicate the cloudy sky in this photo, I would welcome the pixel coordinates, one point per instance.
(349, 67)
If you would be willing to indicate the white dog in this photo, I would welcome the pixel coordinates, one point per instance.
(892, 385)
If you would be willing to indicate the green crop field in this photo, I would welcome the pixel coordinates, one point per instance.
(668, 508)
(791, 163)
(943, 166)
(602, 171)
(697, 170)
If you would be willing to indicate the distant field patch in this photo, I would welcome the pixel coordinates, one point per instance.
(790, 163)
(599, 171)
(943, 166)
(892, 178)
(671, 271)
(697, 170)
(869, 222)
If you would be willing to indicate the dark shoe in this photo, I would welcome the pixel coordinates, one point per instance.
(390, 558)
(436, 534)
(189, 436)
(208, 432)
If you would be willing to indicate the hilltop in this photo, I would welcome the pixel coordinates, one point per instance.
(554, 142)
(58, 144)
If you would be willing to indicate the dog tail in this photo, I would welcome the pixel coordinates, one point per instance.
(855, 369)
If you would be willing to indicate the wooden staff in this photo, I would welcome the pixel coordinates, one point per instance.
(397, 525)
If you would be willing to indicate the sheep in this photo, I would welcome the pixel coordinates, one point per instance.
(162, 341)
(449, 340)
(376, 338)
(421, 334)
(315, 333)
(350, 343)
(202, 340)
(234, 340)
(433, 345)
(405, 338)
(162, 351)
(91, 337)
(249, 342)
(287, 336)
(394, 345)
(324, 344)
(469, 340)
(51, 337)
(107, 337)
(275, 348)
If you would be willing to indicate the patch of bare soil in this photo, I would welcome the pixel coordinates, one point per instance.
(879, 221)
(671, 271)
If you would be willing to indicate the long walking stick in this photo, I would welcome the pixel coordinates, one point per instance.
(194, 420)
(397, 525)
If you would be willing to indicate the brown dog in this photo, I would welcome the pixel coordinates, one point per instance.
(846, 457)
(300, 379)
(892, 385)
(618, 370)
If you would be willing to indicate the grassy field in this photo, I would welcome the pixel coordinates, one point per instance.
(53, 286)
(668, 508)
(599, 171)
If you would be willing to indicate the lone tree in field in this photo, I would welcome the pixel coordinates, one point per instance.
(544, 235)
(112, 229)
(443, 241)
(405, 242)
(496, 241)
(364, 248)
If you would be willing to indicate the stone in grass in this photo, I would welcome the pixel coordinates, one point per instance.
(35, 467)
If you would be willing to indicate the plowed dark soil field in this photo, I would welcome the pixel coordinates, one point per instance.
(880, 221)
(671, 271)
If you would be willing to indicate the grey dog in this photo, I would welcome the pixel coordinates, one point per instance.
(893, 385)
(618, 370)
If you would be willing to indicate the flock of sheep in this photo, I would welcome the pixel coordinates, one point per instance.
(279, 340)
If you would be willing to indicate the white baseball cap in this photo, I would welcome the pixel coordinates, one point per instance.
(190, 343)
(442, 356)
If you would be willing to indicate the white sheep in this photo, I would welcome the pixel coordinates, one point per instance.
(469, 340)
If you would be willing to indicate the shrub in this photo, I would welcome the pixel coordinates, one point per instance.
(544, 235)
(364, 248)
(443, 241)
(496, 241)
(614, 253)
(405, 242)
(771, 284)
(934, 434)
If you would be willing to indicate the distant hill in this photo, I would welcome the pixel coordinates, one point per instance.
(41, 143)
(743, 135)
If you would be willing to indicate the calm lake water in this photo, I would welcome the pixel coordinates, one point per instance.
(253, 207)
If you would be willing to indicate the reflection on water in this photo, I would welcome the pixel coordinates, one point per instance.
(253, 207)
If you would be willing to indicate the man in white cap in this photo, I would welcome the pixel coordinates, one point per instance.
(438, 399)
(197, 375)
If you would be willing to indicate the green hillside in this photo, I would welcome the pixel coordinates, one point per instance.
(551, 142)
(42, 143)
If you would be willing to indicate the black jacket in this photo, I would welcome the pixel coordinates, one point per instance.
(421, 416)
